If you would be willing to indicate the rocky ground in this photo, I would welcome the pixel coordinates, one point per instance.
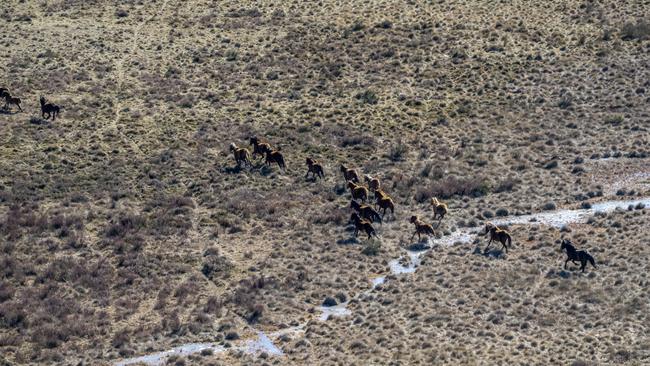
(127, 228)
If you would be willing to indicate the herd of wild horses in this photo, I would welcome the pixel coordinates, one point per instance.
(364, 216)
(49, 109)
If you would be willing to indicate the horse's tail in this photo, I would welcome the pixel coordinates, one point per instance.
(281, 162)
(591, 260)
(509, 240)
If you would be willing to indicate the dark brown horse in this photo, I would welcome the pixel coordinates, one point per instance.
(315, 168)
(350, 174)
(358, 191)
(241, 154)
(373, 183)
(366, 211)
(384, 202)
(275, 157)
(9, 100)
(421, 228)
(362, 225)
(499, 235)
(259, 148)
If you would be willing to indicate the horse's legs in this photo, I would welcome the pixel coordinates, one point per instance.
(565, 262)
(487, 246)
(504, 245)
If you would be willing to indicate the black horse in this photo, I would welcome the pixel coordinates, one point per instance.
(576, 255)
(52, 110)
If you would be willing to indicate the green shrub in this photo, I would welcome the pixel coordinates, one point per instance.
(372, 247)
(368, 97)
(614, 120)
(231, 55)
(398, 152)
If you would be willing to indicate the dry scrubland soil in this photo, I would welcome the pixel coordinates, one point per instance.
(126, 228)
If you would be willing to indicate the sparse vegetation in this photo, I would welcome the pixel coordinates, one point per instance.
(127, 226)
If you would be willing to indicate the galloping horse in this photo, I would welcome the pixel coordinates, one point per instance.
(574, 255)
(498, 235)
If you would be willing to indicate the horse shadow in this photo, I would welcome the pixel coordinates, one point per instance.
(38, 121)
(493, 253)
(264, 169)
(348, 241)
(233, 169)
(418, 247)
(564, 274)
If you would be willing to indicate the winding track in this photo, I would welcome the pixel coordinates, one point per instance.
(121, 72)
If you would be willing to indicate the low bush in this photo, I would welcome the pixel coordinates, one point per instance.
(639, 30)
(372, 247)
(215, 265)
(453, 185)
(398, 152)
(368, 97)
(549, 206)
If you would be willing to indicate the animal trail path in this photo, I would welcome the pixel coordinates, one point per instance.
(120, 76)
